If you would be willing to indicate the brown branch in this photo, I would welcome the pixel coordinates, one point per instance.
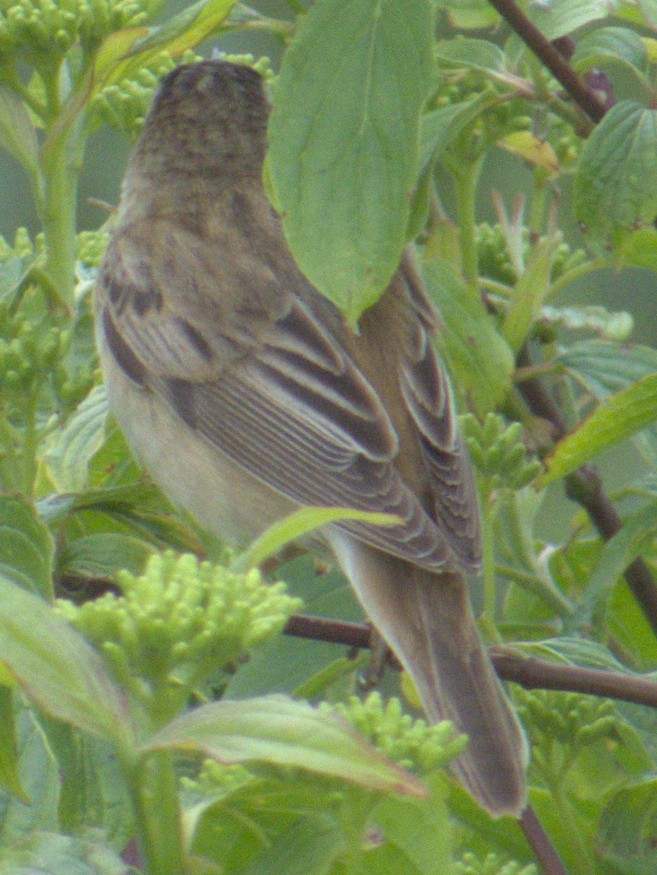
(532, 673)
(585, 487)
(529, 672)
(540, 844)
(551, 57)
(332, 631)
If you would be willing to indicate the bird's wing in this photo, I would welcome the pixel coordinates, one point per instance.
(429, 400)
(275, 392)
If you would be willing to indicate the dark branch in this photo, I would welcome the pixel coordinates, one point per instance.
(551, 57)
(585, 487)
(540, 844)
(529, 672)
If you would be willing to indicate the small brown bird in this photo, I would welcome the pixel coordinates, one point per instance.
(246, 395)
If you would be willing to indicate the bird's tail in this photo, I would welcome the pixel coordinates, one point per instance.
(427, 620)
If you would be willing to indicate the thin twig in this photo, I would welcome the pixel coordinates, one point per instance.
(532, 673)
(529, 672)
(551, 58)
(541, 845)
(585, 487)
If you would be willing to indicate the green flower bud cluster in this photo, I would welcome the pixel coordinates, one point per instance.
(23, 246)
(217, 779)
(572, 721)
(506, 118)
(495, 261)
(261, 65)
(182, 619)
(411, 742)
(28, 351)
(469, 864)
(31, 351)
(35, 343)
(493, 254)
(47, 29)
(91, 247)
(124, 106)
(498, 452)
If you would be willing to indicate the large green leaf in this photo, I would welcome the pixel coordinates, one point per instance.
(283, 732)
(616, 182)
(56, 667)
(343, 141)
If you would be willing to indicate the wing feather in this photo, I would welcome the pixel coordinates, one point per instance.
(290, 406)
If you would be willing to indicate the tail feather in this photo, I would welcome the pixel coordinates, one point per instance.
(427, 620)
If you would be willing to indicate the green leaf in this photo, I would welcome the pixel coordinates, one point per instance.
(607, 367)
(300, 523)
(573, 651)
(56, 667)
(636, 534)
(419, 829)
(616, 182)
(38, 774)
(309, 846)
(54, 854)
(183, 31)
(343, 141)
(475, 54)
(103, 555)
(282, 732)
(604, 368)
(530, 291)
(649, 10)
(469, 14)
(479, 359)
(560, 17)
(125, 52)
(74, 446)
(622, 415)
(440, 127)
(610, 325)
(93, 791)
(17, 133)
(626, 832)
(639, 249)
(9, 774)
(26, 547)
(610, 45)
